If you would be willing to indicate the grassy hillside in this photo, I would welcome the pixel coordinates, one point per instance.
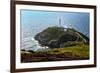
(77, 52)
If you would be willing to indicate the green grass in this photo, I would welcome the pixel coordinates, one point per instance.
(77, 52)
(81, 51)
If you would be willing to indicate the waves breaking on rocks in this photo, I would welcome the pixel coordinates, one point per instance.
(30, 43)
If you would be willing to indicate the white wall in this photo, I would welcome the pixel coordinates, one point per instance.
(5, 36)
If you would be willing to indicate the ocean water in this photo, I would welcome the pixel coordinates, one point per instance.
(29, 43)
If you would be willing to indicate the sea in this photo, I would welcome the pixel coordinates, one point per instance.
(28, 42)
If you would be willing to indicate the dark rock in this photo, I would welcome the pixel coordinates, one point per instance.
(55, 37)
(54, 44)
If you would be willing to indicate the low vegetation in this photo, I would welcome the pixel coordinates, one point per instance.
(77, 52)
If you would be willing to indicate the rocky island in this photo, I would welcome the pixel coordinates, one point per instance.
(58, 37)
(63, 43)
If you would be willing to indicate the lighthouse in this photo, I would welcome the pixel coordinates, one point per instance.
(60, 25)
(60, 22)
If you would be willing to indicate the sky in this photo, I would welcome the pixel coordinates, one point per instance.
(34, 21)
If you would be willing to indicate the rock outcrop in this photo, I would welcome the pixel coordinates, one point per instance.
(56, 37)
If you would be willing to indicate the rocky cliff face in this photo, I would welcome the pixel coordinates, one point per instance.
(56, 37)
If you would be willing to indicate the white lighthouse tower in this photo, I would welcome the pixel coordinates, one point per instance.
(61, 25)
(59, 22)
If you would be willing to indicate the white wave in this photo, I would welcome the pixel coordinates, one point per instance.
(38, 46)
(30, 43)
